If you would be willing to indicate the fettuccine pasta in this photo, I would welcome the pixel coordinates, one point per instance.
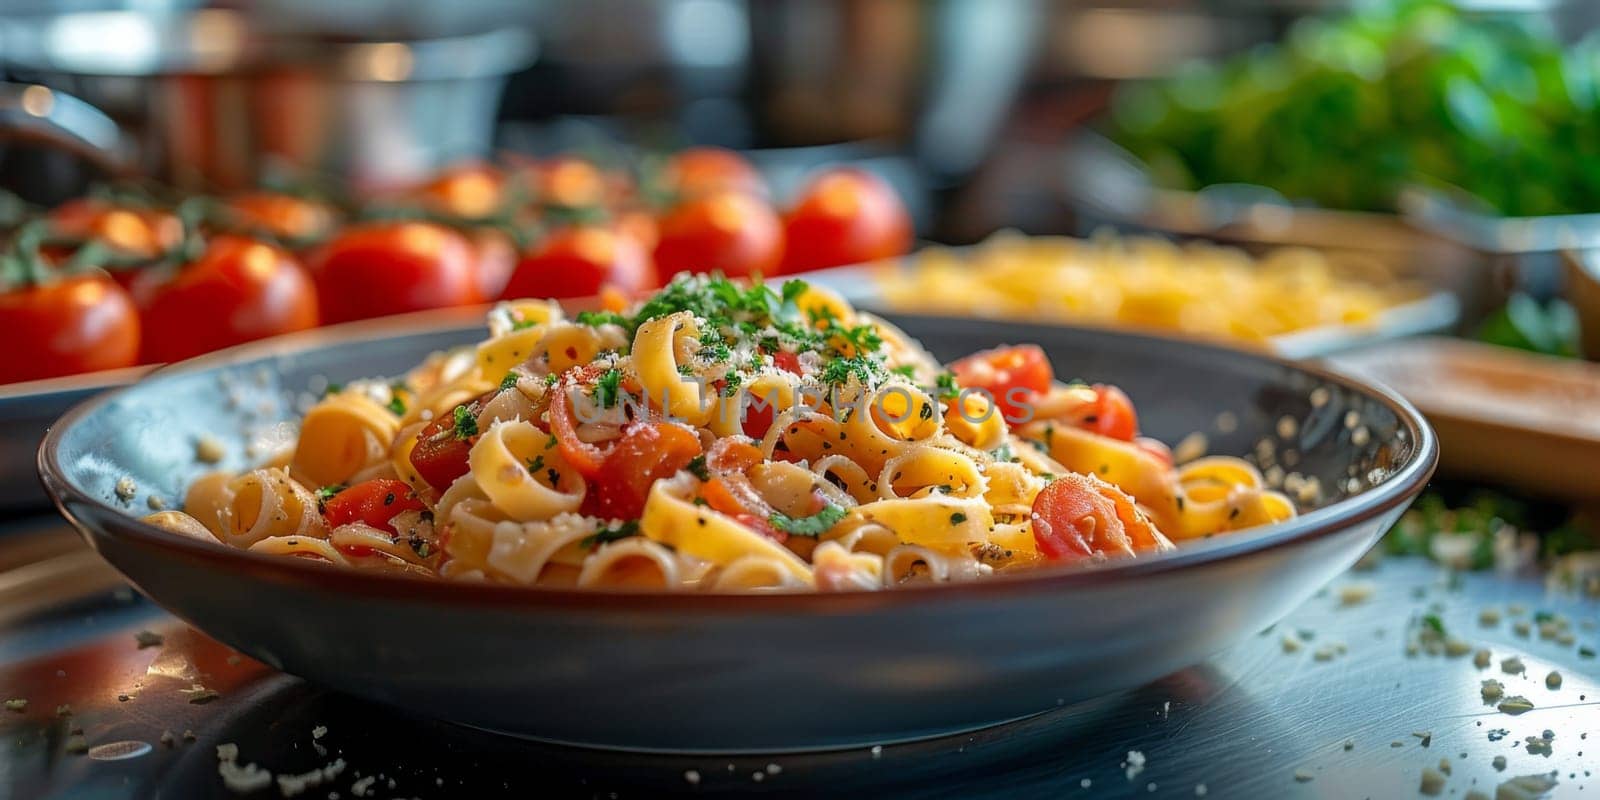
(721, 437)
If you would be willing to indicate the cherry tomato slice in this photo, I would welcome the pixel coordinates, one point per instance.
(646, 452)
(373, 502)
(1012, 375)
(1113, 414)
(1079, 516)
(584, 457)
(440, 456)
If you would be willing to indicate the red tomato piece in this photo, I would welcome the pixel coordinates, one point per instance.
(68, 325)
(580, 260)
(373, 502)
(724, 231)
(283, 216)
(239, 290)
(1013, 375)
(1079, 516)
(585, 457)
(786, 361)
(646, 452)
(394, 267)
(128, 231)
(1113, 415)
(702, 170)
(845, 216)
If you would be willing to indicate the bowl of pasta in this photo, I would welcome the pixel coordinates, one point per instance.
(733, 517)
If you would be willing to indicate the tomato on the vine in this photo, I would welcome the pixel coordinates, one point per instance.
(384, 268)
(468, 191)
(64, 325)
(723, 231)
(129, 232)
(237, 291)
(702, 170)
(845, 216)
(577, 261)
(285, 217)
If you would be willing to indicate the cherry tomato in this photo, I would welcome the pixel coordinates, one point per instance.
(1113, 414)
(393, 267)
(1013, 375)
(374, 502)
(239, 290)
(285, 217)
(647, 452)
(577, 260)
(81, 323)
(702, 170)
(130, 233)
(845, 216)
(1079, 516)
(468, 191)
(572, 182)
(724, 231)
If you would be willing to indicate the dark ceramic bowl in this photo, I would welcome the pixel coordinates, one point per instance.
(709, 672)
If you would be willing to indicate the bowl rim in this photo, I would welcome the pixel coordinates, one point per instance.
(1396, 490)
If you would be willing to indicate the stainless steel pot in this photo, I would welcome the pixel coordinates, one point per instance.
(215, 100)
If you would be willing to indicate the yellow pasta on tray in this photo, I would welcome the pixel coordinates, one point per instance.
(1197, 289)
(722, 437)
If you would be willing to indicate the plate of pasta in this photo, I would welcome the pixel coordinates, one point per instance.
(912, 525)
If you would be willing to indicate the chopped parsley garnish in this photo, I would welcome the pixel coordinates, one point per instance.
(509, 380)
(957, 518)
(523, 324)
(685, 370)
(397, 404)
(812, 526)
(535, 464)
(1003, 452)
(840, 370)
(905, 370)
(608, 388)
(697, 467)
(730, 383)
(550, 379)
(598, 318)
(333, 388)
(946, 386)
(466, 425)
(610, 534)
(1432, 621)
(326, 493)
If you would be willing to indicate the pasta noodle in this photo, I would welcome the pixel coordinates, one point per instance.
(720, 437)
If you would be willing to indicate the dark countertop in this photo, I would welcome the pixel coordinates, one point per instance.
(1250, 723)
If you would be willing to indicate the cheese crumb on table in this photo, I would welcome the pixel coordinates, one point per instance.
(1303, 776)
(1512, 666)
(1492, 689)
(1515, 705)
(1134, 764)
(1432, 781)
(1553, 680)
(18, 705)
(126, 488)
(1482, 659)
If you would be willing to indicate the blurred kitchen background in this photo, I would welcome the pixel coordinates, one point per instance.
(966, 105)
